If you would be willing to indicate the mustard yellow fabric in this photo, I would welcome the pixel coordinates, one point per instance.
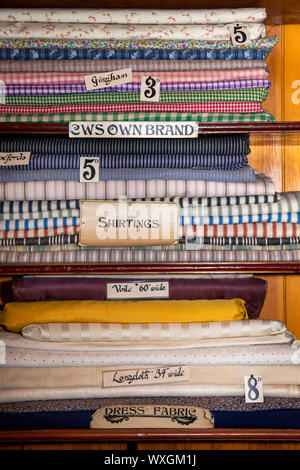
(17, 315)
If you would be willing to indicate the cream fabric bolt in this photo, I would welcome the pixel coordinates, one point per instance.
(152, 331)
(59, 377)
(122, 31)
(177, 390)
(138, 16)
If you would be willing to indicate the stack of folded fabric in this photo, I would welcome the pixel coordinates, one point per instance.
(45, 57)
(62, 334)
(226, 210)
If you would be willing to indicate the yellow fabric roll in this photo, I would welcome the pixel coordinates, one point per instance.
(17, 315)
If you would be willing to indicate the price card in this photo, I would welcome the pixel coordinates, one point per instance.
(89, 170)
(239, 34)
(150, 89)
(253, 389)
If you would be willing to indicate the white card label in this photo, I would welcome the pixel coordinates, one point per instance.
(145, 376)
(89, 169)
(253, 389)
(108, 79)
(129, 129)
(2, 353)
(14, 158)
(240, 34)
(150, 89)
(137, 290)
(134, 223)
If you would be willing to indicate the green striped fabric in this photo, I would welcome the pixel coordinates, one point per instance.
(140, 116)
(258, 94)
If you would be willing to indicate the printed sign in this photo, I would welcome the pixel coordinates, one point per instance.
(122, 223)
(253, 389)
(150, 89)
(89, 170)
(137, 290)
(145, 376)
(152, 416)
(108, 79)
(132, 129)
(14, 158)
(240, 34)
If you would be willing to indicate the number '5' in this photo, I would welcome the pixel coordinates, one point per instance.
(90, 173)
(239, 35)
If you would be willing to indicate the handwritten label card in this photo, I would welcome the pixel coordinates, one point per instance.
(108, 79)
(145, 376)
(137, 290)
(14, 158)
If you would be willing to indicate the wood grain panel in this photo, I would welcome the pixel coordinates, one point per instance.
(274, 305)
(217, 446)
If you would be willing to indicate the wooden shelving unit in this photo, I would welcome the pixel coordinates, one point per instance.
(279, 12)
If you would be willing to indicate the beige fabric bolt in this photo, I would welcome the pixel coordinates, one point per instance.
(58, 377)
(136, 332)
(18, 395)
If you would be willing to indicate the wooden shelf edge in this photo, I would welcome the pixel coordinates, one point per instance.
(122, 435)
(179, 268)
(204, 128)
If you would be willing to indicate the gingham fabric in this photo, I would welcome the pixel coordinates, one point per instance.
(234, 107)
(47, 144)
(197, 162)
(57, 190)
(134, 87)
(123, 54)
(140, 116)
(91, 66)
(50, 78)
(214, 96)
(243, 175)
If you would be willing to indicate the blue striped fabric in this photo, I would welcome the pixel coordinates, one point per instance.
(21, 207)
(54, 222)
(147, 54)
(200, 162)
(243, 175)
(219, 144)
